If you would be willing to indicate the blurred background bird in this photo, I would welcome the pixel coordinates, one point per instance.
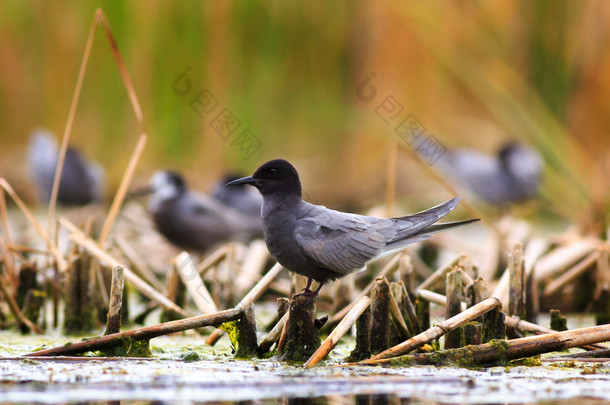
(196, 221)
(81, 182)
(513, 175)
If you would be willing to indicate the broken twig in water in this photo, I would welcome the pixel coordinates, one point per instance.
(436, 331)
(144, 333)
(501, 351)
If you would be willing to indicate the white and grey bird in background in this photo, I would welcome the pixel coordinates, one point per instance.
(196, 221)
(513, 175)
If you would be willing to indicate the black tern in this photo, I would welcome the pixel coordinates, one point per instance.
(242, 198)
(512, 176)
(323, 244)
(195, 221)
(81, 182)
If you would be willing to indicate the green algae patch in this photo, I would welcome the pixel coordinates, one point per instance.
(190, 357)
(128, 347)
(533, 361)
(233, 332)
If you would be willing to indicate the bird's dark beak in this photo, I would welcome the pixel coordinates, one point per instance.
(140, 192)
(243, 180)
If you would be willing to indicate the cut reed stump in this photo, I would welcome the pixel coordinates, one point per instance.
(456, 294)
(80, 313)
(141, 334)
(436, 331)
(175, 291)
(363, 337)
(558, 322)
(332, 339)
(502, 351)
(113, 323)
(246, 334)
(380, 315)
(302, 337)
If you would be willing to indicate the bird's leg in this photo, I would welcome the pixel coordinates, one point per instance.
(307, 288)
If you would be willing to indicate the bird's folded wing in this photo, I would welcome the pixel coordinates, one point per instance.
(338, 241)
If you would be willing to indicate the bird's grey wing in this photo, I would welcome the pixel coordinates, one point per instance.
(339, 241)
(415, 224)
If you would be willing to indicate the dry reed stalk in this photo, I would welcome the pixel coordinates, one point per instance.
(79, 238)
(564, 257)
(61, 262)
(505, 350)
(346, 323)
(436, 331)
(273, 335)
(21, 319)
(433, 297)
(194, 285)
(256, 291)
(570, 275)
(213, 259)
(145, 333)
(439, 275)
(252, 266)
(68, 129)
(138, 264)
(389, 268)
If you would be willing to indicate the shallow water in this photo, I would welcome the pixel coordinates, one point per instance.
(216, 377)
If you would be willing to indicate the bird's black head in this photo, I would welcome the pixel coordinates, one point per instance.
(275, 176)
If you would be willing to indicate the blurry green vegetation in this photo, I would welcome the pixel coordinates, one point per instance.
(474, 73)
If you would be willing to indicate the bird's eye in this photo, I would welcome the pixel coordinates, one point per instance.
(273, 171)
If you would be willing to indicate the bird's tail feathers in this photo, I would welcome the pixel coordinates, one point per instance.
(447, 225)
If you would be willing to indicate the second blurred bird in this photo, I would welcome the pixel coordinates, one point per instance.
(196, 221)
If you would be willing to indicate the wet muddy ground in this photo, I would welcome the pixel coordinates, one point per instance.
(184, 369)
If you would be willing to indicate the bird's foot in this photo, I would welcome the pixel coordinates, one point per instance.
(308, 294)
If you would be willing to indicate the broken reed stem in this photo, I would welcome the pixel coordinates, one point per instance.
(439, 275)
(81, 239)
(273, 335)
(563, 257)
(145, 333)
(436, 331)
(194, 285)
(389, 268)
(144, 271)
(433, 297)
(570, 275)
(213, 259)
(505, 350)
(113, 322)
(21, 319)
(256, 291)
(61, 262)
(346, 323)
